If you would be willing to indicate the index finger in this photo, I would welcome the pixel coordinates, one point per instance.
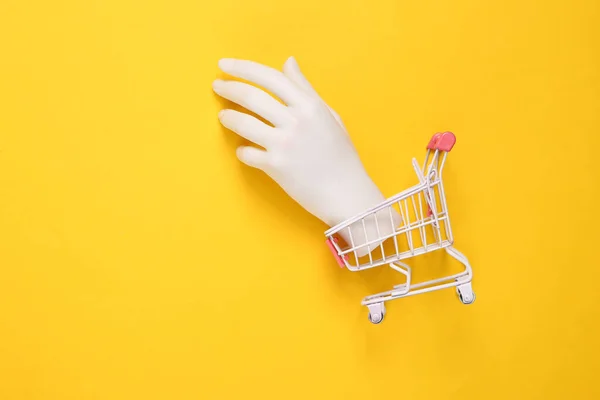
(269, 78)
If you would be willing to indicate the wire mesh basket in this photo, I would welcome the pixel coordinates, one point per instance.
(411, 223)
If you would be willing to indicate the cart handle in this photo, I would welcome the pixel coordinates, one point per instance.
(442, 141)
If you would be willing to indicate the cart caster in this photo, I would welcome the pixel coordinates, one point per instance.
(376, 312)
(465, 293)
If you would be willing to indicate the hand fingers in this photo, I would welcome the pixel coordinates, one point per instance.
(247, 126)
(252, 156)
(269, 78)
(291, 69)
(253, 99)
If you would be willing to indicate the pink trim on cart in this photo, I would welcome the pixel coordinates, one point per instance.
(337, 257)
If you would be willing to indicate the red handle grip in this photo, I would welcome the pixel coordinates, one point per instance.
(442, 141)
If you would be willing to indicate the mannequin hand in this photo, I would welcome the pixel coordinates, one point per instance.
(307, 150)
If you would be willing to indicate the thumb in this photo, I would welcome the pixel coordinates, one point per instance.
(291, 69)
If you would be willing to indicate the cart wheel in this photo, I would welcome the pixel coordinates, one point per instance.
(376, 312)
(469, 296)
(378, 318)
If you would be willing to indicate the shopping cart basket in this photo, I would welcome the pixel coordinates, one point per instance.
(375, 237)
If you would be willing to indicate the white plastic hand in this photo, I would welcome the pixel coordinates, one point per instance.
(307, 150)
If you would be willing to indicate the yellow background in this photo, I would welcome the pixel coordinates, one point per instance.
(140, 260)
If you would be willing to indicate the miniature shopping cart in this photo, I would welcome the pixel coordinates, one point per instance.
(409, 224)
